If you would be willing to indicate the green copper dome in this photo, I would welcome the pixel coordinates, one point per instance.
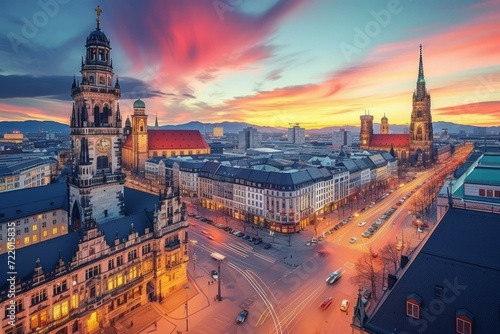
(139, 104)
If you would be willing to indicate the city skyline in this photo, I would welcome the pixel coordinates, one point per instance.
(269, 63)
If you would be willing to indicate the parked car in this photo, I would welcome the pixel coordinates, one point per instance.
(361, 224)
(242, 316)
(267, 246)
(258, 241)
(353, 240)
(327, 302)
(344, 305)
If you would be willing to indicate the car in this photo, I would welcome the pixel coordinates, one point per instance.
(267, 246)
(191, 215)
(211, 237)
(367, 294)
(241, 317)
(214, 274)
(240, 234)
(205, 232)
(251, 239)
(335, 276)
(420, 230)
(366, 234)
(361, 224)
(258, 241)
(327, 302)
(344, 305)
(246, 237)
(355, 214)
(314, 240)
(353, 240)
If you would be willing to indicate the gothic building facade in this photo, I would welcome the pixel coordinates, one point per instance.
(124, 248)
(415, 148)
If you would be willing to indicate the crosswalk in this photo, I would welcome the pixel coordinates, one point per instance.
(244, 250)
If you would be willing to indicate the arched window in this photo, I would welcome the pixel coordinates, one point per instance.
(106, 112)
(102, 162)
(419, 112)
(96, 115)
(419, 133)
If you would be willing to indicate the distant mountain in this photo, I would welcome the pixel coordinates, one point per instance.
(34, 127)
(235, 127)
(229, 127)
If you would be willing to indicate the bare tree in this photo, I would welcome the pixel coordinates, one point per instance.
(389, 255)
(368, 272)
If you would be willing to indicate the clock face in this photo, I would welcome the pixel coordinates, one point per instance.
(103, 145)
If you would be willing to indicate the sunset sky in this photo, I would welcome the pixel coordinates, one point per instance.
(266, 62)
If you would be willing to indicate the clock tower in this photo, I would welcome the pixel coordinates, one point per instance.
(96, 182)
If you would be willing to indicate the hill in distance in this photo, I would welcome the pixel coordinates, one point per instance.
(27, 127)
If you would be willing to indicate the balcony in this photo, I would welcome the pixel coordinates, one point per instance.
(173, 245)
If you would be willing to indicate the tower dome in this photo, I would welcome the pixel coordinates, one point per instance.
(139, 104)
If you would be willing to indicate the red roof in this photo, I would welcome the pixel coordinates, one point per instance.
(176, 139)
(402, 141)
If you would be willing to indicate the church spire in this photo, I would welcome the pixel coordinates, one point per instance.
(421, 67)
(420, 81)
(156, 121)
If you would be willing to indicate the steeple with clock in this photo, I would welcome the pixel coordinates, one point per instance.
(96, 182)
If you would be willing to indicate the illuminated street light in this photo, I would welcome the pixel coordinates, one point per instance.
(219, 258)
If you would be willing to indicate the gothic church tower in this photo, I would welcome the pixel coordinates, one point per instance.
(384, 126)
(421, 134)
(366, 133)
(96, 182)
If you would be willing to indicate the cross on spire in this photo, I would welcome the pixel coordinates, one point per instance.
(98, 10)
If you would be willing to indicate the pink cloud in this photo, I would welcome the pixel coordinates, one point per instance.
(190, 37)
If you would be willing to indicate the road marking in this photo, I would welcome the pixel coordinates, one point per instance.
(349, 265)
(234, 250)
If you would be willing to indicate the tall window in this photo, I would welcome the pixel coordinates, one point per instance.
(413, 302)
(464, 321)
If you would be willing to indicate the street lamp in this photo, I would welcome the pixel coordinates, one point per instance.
(219, 258)
(186, 288)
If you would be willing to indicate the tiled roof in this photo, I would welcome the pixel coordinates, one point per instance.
(176, 139)
(172, 140)
(396, 141)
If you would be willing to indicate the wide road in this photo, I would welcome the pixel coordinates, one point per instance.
(282, 297)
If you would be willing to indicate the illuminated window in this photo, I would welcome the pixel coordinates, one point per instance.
(413, 305)
(38, 320)
(74, 301)
(464, 321)
(35, 227)
(26, 240)
(54, 231)
(35, 238)
(45, 233)
(60, 310)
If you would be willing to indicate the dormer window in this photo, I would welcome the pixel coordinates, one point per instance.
(413, 302)
(464, 321)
